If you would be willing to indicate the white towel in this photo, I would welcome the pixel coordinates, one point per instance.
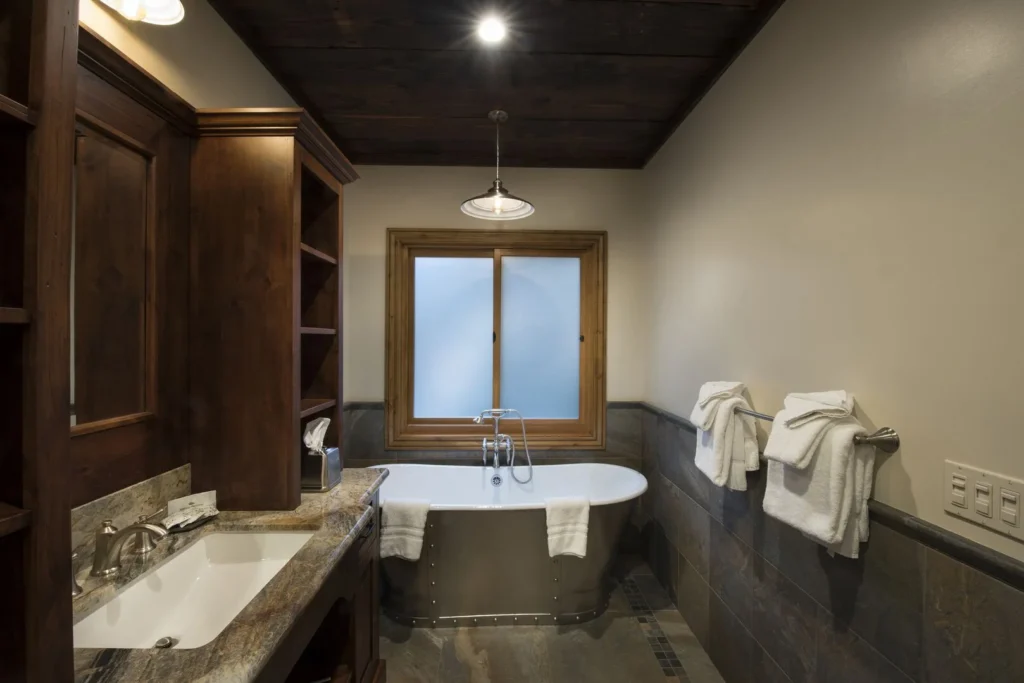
(826, 500)
(402, 523)
(568, 521)
(708, 399)
(802, 423)
(726, 440)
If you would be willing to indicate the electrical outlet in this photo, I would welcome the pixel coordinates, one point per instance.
(987, 498)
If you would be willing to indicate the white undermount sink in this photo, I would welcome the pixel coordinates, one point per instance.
(194, 595)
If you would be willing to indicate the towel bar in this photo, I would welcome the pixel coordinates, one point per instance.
(885, 439)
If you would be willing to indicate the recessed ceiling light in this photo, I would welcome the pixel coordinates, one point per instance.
(491, 30)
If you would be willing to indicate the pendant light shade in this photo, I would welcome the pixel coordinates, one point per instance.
(160, 12)
(497, 204)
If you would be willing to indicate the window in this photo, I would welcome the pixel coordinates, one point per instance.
(495, 319)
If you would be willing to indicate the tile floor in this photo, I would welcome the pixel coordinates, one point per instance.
(641, 638)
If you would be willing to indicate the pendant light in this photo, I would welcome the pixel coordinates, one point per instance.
(497, 204)
(160, 12)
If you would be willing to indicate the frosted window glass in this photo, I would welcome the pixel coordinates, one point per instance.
(540, 336)
(454, 322)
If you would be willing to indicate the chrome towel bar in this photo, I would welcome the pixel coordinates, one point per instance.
(885, 439)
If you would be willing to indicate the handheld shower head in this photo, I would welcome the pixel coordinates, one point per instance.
(490, 413)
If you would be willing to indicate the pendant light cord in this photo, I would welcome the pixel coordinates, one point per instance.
(497, 149)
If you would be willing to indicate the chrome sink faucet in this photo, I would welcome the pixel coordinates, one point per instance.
(109, 541)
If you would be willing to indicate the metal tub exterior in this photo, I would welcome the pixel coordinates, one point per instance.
(491, 566)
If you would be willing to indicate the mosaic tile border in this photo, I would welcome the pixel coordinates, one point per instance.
(659, 643)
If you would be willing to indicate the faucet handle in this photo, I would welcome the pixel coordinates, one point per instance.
(76, 590)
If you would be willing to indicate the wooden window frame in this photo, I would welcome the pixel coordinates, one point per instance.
(403, 431)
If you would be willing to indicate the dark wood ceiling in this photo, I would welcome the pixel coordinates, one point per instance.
(587, 83)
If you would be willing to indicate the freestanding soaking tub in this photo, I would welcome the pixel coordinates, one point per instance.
(485, 552)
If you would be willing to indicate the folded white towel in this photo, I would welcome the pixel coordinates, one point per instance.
(726, 440)
(831, 404)
(708, 399)
(402, 523)
(801, 424)
(826, 500)
(568, 520)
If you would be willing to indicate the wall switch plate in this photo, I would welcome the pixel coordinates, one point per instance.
(987, 498)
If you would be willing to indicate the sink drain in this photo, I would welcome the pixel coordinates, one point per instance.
(165, 643)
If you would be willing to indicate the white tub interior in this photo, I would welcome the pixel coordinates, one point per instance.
(453, 487)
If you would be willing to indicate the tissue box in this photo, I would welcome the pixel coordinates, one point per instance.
(321, 472)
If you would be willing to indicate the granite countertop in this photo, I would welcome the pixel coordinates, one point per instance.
(240, 651)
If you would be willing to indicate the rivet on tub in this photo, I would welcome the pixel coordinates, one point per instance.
(433, 602)
(474, 621)
(495, 620)
(536, 620)
(431, 564)
(433, 583)
(556, 598)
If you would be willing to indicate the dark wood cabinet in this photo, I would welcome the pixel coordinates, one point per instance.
(345, 647)
(265, 319)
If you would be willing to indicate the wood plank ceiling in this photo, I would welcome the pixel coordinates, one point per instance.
(587, 83)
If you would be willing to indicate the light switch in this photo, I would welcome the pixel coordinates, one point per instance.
(1009, 507)
(983, 499)
(958, 496)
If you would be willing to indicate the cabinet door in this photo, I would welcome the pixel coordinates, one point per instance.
(365, 628)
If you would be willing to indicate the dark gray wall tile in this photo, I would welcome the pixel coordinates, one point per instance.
(731, 646)
(658, 554)
(972, 625)
(624, 433)
(880, 596)
(676, 446)
(765, 670)
(785, 622)
(844, 657)
(692, 530)
(732, 572)
(362, 434)
(692, 599)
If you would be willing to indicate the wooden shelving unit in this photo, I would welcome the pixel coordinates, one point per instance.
(315, 256)
(318, 330)
(314, 406)
(38, 60)
(12, 111)
(13, 316)
(299, 248)
(13, 519)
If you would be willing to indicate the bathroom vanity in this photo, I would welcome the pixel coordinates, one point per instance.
(316, 619)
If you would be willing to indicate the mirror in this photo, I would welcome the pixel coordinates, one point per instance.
(111, 283)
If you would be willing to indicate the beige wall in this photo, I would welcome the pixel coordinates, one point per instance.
(200, 59)
(420, 197)
(845, 210)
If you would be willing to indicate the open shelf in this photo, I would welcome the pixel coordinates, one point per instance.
(13, 316)
(318, 330)
(15, 112)
(13, 519)
(312, 406)
(317, 257)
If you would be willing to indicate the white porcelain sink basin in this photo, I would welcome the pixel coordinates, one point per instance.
(194, 595)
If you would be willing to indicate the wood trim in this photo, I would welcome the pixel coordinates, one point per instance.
(114, 134)
(402, 430)
(271, 122)
(115, 68)
(111, 423)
